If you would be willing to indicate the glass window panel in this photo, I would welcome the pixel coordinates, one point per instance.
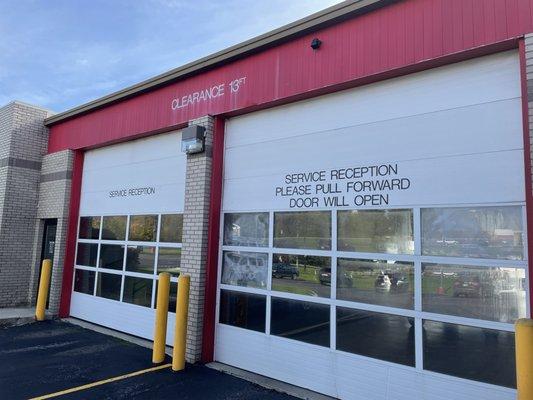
(143, 228)
(111, 256)
(246, 229)
(496, 294)
(243, 310)
(376, 231)
(108, 286)
(300, 320)
(140, 259)
(377, 335)
(87, 254)
(244, 268)
(303, 230)
(172, 296)
(89, 228)
(84, 281)
(138, 291)
(169, 260)
(481, 232)
(171, 228)
(307, 275)
(114, 228)
(480, 354)
(380, 282)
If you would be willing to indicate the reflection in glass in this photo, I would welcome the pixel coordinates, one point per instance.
(495, 294)
(108, 286)
(480, 354)
(300, 320)
(137, 291)
(376, 231)
(87, 254)
(171, 228)
(114, 228)
(246, 229)
(169, 260)
(89, 228)
(244, 268)
(303, 230)
(140, 259)
(307, 275)
(377, 335)
(243, 310)
(143, 228)
(172, 296)
(111, 256)
(380, 282)
(481, 232)
(84, 281)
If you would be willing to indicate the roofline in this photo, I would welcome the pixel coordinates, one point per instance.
(319, 20)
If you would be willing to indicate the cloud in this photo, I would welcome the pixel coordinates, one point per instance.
(62, 54)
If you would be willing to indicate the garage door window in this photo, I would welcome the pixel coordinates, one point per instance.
(123, 262)
(398, 285)
(114, 228)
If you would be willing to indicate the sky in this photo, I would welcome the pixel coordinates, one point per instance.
(59, 54)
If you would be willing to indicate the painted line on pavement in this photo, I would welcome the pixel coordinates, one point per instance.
(102, 382)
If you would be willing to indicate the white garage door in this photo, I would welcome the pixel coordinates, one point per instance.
(373, 240)
(130, 229)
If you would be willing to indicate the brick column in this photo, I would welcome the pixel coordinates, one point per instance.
(195, 229)
(54, 201)
(23, 141)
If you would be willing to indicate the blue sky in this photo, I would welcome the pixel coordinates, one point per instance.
(61, 53)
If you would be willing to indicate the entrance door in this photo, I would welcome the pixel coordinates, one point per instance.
(49, 239)
(48, 246)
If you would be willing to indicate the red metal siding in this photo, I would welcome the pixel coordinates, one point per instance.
(397, 36)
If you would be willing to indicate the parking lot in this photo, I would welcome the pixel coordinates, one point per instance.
(52, 357)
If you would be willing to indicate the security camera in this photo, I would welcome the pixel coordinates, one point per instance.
(316, 43)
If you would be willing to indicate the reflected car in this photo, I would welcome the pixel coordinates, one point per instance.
(391, 282)
(467, 285)
(283, 270)
(324, 278)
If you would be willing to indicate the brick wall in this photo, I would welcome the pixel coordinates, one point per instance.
(54, 201)
(195, 227)
(23, 142)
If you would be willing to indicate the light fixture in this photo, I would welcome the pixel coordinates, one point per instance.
(193, 139)
(316, 43)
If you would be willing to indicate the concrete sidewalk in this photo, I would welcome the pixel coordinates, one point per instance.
(16, 316)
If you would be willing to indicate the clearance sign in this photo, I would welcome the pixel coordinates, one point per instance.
(207, 94)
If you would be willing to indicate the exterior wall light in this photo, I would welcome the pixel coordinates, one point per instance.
(316, 43)
(193, 139)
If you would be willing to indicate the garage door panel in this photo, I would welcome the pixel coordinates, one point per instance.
(128, 318)
(444, 150)
(132, 179)
(477, 81)
(475, 129)
(466, 179)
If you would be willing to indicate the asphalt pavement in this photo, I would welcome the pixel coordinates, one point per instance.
(44, 358)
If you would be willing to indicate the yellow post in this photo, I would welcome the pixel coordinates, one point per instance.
(524, 358)
(161, 314)
(180, 332)
(44, 285)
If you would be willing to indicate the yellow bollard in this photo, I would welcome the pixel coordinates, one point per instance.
(161, 314)
(44, 285)
(524, 358)
(180, 332)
